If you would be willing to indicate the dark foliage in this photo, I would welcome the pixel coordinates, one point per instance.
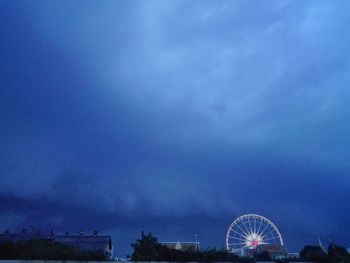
(263, 256)
(146, 249)
(46, 250)
(313, 253)
(316, 254)
(337, 253)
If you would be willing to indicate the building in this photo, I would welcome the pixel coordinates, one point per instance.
(93, 242)
(183, 246)
(275, 251)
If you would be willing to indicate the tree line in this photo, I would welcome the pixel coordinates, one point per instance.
(147, 248)
(334, 253)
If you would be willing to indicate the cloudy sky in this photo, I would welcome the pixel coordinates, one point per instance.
(175, 116)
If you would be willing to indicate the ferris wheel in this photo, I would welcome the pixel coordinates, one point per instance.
(250, 231)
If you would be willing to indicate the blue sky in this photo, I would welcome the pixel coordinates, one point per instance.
(174, 117)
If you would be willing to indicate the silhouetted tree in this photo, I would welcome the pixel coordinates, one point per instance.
(263, 256)
(146, 249)
(337, 253)
(313, 253)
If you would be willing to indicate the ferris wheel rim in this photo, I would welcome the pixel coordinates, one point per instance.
(252, 235)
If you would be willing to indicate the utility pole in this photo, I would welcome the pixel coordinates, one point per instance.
(195, 234)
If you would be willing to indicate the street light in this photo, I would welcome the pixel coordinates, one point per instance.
(195, 234)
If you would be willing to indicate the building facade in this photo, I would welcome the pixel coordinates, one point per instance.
(182, 246)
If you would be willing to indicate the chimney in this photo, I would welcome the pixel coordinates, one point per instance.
(81, 233)
(95, 232)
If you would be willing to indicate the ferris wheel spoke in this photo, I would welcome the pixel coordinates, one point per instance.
(246, 246)
(237, 238)
(240, 232)
(245, 233)
(250, 226)
(254, 224)
(268, 233)
(245, 237)
(263, 230)
(276, 237)
(249, 232)
(241, 247)
(234, 244)
(257, 232)
(244, 226)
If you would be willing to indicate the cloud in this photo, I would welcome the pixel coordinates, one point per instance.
(123, 117)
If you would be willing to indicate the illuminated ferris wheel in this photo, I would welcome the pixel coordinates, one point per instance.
(250, 231)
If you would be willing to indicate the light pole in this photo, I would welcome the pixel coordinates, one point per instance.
(195, 234)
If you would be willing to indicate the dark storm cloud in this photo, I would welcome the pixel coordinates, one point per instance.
(175, 117)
